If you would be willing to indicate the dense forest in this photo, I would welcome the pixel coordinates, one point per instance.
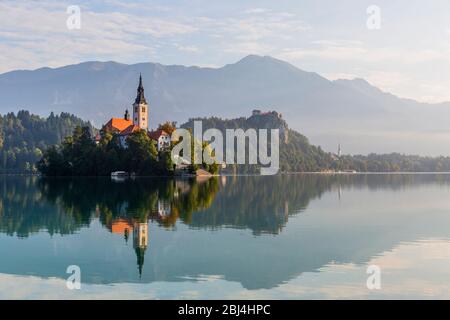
(296, 153)
(24, 138)
(394, 162)
(80, 155)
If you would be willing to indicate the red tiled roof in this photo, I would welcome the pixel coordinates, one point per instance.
(118, 124)
(130, 129)
(157, 133)
(119, 226)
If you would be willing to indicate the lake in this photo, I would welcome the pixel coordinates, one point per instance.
(302, 236)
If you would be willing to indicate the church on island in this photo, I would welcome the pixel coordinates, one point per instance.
(125, 126)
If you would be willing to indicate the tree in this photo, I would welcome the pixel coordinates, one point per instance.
(141, 153)
(24, 137)
(168, 127)
(83, 152)
(165, 162)
(52, 163)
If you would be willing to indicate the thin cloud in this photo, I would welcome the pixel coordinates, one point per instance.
(34, 34)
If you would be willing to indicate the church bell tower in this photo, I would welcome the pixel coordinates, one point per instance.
(140, 108)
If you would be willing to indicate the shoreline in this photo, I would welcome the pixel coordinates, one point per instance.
(245, 175)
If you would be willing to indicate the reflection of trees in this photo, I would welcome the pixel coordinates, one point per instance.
(261, 204)
(23, 209)
(164, 200)
(63, 205)
(264, 203)
(190, 199)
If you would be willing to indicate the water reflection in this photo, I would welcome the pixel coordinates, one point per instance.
(259, 231)
(262, 204)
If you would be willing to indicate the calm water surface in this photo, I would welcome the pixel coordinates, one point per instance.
(278, 237)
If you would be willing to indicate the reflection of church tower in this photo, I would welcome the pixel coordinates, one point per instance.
(140, 242)
(140, 108)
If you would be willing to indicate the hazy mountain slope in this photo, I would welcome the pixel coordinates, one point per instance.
(359, 116)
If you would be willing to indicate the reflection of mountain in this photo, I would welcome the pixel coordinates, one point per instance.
(375, 213)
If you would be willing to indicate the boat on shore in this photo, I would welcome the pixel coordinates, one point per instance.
(119, 174)
(347, 171)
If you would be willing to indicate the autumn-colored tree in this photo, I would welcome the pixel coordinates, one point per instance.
(168, 127)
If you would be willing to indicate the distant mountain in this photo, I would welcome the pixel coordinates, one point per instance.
(351, 112)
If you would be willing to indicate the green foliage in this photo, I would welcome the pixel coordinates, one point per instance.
(53, 163)
(79, 155)
(165, 162)
(64, 145)
(141, 154)
(394, 162)
(24, 137)
(298, 155)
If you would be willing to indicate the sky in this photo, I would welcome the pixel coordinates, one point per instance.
(407, 53)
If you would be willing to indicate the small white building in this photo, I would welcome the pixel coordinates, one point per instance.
(164, 208)
(161, 137)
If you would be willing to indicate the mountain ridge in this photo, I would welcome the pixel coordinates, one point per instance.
(355, 113)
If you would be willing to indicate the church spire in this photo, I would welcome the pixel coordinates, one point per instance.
(140, 242)
(140, 253)
(140, 98)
